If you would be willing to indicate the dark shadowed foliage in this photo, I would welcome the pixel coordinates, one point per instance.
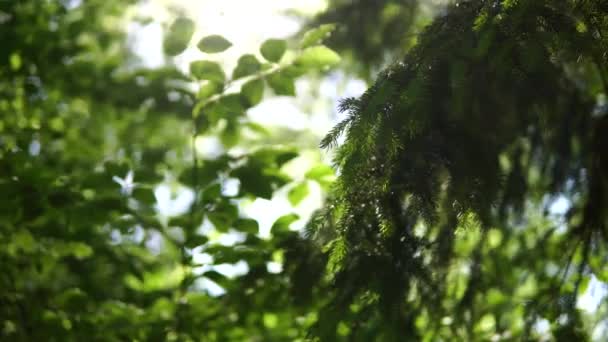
(452, 159)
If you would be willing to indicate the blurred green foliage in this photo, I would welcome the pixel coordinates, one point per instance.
(86, 139)
(372, 33)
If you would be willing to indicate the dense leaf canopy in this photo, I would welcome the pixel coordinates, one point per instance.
(88, 136)
(470, 203)
(495, 113)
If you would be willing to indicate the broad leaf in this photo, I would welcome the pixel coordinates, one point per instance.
(322, 174)
(145, 195)
(214, 44)
(273, 49)
(317, 57)
(207, 70)
(178, 37)
(298, 193)
(282, 224)
(282, 84)
(247, 65)
(317, 35)
(209, 89)
(196, 240)
(223, 216)
(246, 225)
(253, 91)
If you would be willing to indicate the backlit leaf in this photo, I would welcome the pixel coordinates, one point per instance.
(253, 91)
(317, 35)
(273, 49)
(178, 37)
(317, 57)
(281, 84)
(207, 70)
(247, 65)
(298, 193)
(214, 44)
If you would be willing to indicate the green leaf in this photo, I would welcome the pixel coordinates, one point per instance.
(227, 107)
(246, 65)
(214, 44)
(298, 193)
(178, 36)
(230, 135)
(253, 91)
(15, 61)
(246, 225)
(319, 172)
(184, 221)
(78, 249)
(196, 240)
(274, 156)
(285, 156)
(216, 277)
(281, 225)
(583, 285)
(207, 70)
(270, 320)
(597, 263)
(72, 298)
(212, 193)
(273, 49)
(259, 178)
(317, 35)
(113, 168)
(317, 57)
(254, 182)
(293, 71)
(150, 176)
(145, 195)
(23, 241)
(322, 174)
(257, 128)
(223, 216)
(226, 254)
(208, 171)
(209, 89)
(282, 84)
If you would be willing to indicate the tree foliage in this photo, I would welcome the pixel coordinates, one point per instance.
(373, 33)
(481, 126)
(87, 139)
